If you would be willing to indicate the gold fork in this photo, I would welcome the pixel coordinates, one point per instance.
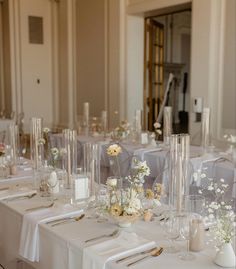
(68, 220)
(154, 253)
(39, 207)
(101, 236)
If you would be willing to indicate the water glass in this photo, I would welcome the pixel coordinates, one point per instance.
(187, 231)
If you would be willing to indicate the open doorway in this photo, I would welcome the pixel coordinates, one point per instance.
(167, 50)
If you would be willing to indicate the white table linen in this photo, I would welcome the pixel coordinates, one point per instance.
(29, 242)
(15, 193)
(96, 256)
(63, 246)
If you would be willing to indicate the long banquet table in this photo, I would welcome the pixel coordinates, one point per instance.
(63, 246)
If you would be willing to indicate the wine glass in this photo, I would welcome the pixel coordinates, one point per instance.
(195, 204)
(187, 231)
(172, 230)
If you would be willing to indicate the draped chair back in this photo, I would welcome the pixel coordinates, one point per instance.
(119, 166)
(3, 137)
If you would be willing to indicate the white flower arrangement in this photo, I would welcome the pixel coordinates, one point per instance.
(121, 131)
(230, 138)
(219, 211)
(141, 170)
(114, 150)
(126, 202)
(157, 129)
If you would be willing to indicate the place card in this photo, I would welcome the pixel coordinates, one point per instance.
(81, 187)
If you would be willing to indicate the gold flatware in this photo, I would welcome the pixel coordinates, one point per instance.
(136, 254)
(39, 207)
(69, 220)
(27, 196)
(101, 236)
(154, 253)
(62, 219)
(5, 189)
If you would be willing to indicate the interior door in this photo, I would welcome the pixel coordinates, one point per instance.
(153, 71)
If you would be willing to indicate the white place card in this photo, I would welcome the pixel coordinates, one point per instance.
(81, 187)
(144, 138)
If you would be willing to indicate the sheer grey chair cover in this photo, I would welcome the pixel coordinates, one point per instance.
(3, 137)
(217, 169)
(119, 166)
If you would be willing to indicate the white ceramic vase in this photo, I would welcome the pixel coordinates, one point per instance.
(225, 257)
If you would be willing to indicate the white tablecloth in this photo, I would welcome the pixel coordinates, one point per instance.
(63, 246)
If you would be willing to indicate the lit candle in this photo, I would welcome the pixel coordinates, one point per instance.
(68, 165)
(138, 120)
(104, 121)
(86, 113)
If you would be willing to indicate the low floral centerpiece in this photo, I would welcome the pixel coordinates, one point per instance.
(121, 131)
(124, 204)
(221, 215)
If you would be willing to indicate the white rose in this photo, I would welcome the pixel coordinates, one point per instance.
(135, 203)
(157, 125)
(112, 182)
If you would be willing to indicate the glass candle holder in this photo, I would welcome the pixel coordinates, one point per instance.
(36, 145)
(70, 145)
(205, 128)
(167, 125)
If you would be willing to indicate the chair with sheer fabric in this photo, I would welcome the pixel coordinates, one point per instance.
(121, 165)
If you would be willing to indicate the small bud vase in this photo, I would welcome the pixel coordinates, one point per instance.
(225, 257)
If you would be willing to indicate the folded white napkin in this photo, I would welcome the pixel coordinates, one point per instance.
(29, 241)
(96, 256)
(5, 194)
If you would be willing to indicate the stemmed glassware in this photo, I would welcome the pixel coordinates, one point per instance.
(171, 227)
(187, 231)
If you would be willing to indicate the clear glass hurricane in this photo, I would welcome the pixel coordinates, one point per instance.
(171, 228)
(186, 232)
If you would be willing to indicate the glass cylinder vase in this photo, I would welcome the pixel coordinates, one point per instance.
(70, 159)
(36, 142)
(167, 125)
(205, 139)
(13, 141)
(178, 170)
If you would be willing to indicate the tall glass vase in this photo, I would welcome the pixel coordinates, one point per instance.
(167, 125)
(104, 122)
(138, 121)
(173, 170)
(36, 146)
(70, 145)
(205, 128)
(86, 118)
(185, 175)
(13, 140)
(92, 157)
(178, 170)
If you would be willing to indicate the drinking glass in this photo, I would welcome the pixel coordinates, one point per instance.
(186, 231)
(172, 230)
(195, 204)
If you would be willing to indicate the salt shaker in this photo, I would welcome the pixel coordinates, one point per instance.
(197, 238)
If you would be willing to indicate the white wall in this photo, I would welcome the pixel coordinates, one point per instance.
(229, 75)
(135, 64)
(31, 62)
(36, 63)
(91, 55)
